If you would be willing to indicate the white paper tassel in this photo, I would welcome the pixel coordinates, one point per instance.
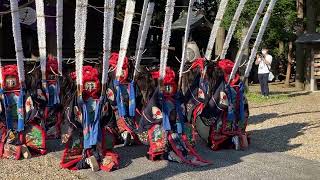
(232, 28)
(259, 37)
(41, 31)
(166, 37)
(144, 35)
(59, 26)
(80, 36)
(130, 6)
(142, 20)
(17, 38)
(107, 37)
(185, 41)
(247, 38)
(215, 27)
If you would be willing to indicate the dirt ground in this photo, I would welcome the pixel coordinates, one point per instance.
(288, 122)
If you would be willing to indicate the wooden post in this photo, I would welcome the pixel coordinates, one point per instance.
(300, 59)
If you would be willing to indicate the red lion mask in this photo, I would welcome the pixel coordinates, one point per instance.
(90, 81)
(51, 68)
(226, 66)
(10, 77)
(168, 82)
(125, 69)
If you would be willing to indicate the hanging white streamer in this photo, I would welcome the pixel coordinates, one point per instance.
(166, 37)
(215, 28)
(107, 37)
(17, 39)
(41, 31)
(59, 24)
(130, 6)
(185, 40)
(259, 37)
(142, 20)
(144, 35)
(232, 28)
(80, 36)
(247, 38)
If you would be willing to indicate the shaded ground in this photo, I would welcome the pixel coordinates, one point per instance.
(285, 131)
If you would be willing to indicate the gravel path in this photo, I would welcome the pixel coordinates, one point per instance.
(290, 125)
(278, 127)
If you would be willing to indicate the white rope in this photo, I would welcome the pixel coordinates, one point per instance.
(59, 26)
(80, 36)
(144, 35)
(215, 27)
(247, 38)
(17, 39)
(185, 41)
(107, 37)
(232, 28)
(130, 6)
(166, 37)
(41, 31)
(259, 37)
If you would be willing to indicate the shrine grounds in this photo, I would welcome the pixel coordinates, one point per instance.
(285, 144)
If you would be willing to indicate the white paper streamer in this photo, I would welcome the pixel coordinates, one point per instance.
(144, 35)
(107, 37)
(130, 6)
(185, 41)
(215, 27)
(80, 36)
(166, 37)
(259, 37)
(232, 28)
(17, 39)
(59, 27)
(142, 20)
(247, 38)
(41, 31)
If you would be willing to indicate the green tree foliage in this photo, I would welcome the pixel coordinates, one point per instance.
(281, 24)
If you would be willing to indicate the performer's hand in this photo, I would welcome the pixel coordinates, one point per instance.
(78, 114)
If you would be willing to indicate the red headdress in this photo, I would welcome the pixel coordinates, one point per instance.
(90, 81)
(226, 66)
(198, 63)
(10, 77)
(52, 65)
(168, 81)
(113, 61)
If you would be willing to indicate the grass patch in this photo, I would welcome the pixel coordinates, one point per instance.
(258, 98)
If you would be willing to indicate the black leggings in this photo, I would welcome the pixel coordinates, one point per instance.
(263, 79)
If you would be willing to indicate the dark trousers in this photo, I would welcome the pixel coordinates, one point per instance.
(263, 80)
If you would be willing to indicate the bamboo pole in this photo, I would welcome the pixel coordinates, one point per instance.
(59, 27)
(185, 42)
(232, 28)
(247, 38)
(259, 37)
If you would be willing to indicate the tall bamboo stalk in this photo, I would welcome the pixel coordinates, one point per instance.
(142, 20)
(166, 37)
(127, 23)
(17, 39)
(41, 31)
(215, 27)
(259, 37)
(232, 28)
(59, 24)
(80, 38)
(144, 35)
(185, 42)
(247, 38)
(107, 39)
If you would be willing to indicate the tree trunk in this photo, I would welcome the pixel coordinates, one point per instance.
(311, 28)
(220, 41)
(300, 60)
(288, 74)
